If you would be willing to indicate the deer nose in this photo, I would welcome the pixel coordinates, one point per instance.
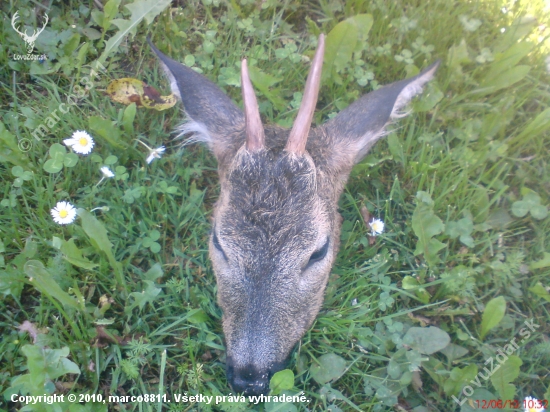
(248, 380)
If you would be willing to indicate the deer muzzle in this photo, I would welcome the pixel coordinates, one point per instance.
(249, 380)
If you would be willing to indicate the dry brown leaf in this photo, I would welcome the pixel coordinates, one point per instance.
(128, 90)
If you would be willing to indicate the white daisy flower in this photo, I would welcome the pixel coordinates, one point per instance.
(153, 153)
(531, 404)
(377, 226)
(106, 174)
(81, 142)
(63, 213)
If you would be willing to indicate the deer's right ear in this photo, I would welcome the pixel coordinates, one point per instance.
(355, 129)
(212, 117)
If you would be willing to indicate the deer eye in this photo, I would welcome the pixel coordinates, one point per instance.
(217, 245)
(318, 255)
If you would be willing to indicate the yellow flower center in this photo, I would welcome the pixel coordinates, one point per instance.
(83, 141)
(63, 213)
(376, 226)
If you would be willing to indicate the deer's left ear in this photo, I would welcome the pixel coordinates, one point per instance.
(212, 117)
(356, 128)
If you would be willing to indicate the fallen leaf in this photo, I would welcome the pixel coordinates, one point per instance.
(128, 90)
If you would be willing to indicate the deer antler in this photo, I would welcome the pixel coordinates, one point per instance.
(298, 135)
(46, 22)
(37, 32)
(43, 27)
(255, 138)
(13, 19)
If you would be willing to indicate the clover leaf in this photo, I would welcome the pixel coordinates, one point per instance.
(150, 241)
(59, 158)
(530, 204)
(385, 301)
(21, 175)
(463, 229)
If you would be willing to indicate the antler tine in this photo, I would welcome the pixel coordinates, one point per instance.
(38, 31)
(300, 130)
(46, 22)
(13, 19)
(255, 137)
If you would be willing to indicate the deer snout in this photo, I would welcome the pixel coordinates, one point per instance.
(250, 380)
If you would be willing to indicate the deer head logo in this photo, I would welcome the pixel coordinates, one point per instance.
(30, 40)
(276, 226)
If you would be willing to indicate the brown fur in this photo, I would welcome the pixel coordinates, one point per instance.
(276, 212)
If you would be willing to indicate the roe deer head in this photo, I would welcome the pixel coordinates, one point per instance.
(276, 225)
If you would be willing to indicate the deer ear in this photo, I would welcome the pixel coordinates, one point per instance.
(356, 128)
(212, 117)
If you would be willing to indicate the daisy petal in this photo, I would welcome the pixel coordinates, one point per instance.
(63, 213)
(377, 226)
(531, 404)
(107, 172)
(81, 142)
(153, 153)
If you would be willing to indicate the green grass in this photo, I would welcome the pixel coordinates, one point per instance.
(466, 162)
